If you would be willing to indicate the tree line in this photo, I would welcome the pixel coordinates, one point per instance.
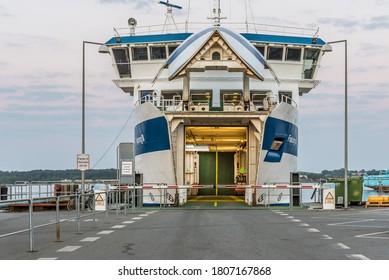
(10, 177)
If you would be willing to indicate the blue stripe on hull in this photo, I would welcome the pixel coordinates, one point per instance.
(151, 136)
(286, 132)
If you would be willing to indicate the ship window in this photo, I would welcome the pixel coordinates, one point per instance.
(139, 53)
(275, 53)
(172, 49)
(310, 60)
(285, 96)
(145, 96)
(257, 99)
(158, 52)
(122, 62)
(277, 144)
(261, 49)
(293, 54)
(216, 56)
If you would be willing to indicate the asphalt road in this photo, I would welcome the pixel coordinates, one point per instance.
(181, 234)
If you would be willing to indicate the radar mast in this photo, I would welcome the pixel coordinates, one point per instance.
(169, 20)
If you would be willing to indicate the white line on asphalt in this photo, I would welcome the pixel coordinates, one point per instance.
(327, 237)
(284, 214)
(137, 218)
(351, 222)
(69, 249)
(312, 230)
(89, 239)
(105, 232)
(303, 225)
(118, 226)
(90, 220)
(143, 215)
(357, 257)
(290, 217)
(296, 220)
(47, 259)
(370, 235)
(128, 222)
(340, 246)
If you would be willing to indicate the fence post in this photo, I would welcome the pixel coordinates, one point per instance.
(32, 237)
(78, 213)
(58, 229)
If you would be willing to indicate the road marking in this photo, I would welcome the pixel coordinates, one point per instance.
(284, 214)
(327, 237)
(352, 222)
(118, 226)
(143, 215)
(69, 249)
(312, 230)
(357, 257)
(296, 220)
(47, 259)
(340, 246)
(137, 218)
(303, 225)
(89, 239)
(290, 217)
(128, 222)
(90, 220)
(151, 212)
(105, 232)
(369, 235)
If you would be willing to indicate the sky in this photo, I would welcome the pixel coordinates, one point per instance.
(41, 79)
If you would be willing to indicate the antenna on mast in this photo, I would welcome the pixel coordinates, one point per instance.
(169, 15)
(217, 11)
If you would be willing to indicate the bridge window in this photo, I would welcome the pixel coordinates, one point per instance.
(293, 54)
(158, 52)
(310, 61)
(275, 53)
(216, 56)
(139, 53)
(172, 48)
(261, 49)
(122, 61)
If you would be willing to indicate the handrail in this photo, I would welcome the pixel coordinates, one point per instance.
(243, 27)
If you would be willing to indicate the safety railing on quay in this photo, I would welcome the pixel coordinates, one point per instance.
(122, 199)
(79, 206)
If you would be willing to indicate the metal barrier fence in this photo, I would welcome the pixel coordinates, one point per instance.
(121, 199)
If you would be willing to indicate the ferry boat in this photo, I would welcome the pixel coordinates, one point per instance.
(215, 103)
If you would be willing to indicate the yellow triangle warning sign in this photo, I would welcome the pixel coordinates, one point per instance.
(99, 198)
(329, 198)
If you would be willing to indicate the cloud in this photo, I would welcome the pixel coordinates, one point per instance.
(139, 4)
(348, 24)
(4, 13)
(377, 22)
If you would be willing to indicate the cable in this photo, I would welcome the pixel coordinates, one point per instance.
(116, 138)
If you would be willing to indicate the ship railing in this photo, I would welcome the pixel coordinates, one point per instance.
(287, 99)
(241, 27)
(164, 105)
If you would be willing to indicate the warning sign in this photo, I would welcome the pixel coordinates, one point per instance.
(329, 198)
(99, 200)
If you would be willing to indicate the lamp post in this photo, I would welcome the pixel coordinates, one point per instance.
(328, 48)
(102, 49)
